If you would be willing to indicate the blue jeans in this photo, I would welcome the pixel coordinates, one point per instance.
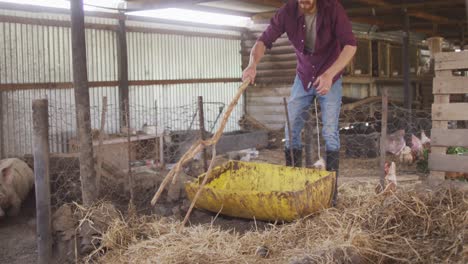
(298, 105)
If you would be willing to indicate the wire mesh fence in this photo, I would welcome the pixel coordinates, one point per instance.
(360, 127)
(135, 156)
(130, 157)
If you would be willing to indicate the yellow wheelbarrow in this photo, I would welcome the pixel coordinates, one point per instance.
(263, 191)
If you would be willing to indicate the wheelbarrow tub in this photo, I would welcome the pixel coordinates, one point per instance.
(263, 191)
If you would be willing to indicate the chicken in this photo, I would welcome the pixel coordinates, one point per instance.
(416, 148)
(390, 177)
(395, 142)
(406, 156)
(426, 142)
(320, 164)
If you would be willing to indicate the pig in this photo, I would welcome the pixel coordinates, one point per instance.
(16, 181)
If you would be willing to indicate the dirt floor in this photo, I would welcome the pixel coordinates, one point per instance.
(17, 235)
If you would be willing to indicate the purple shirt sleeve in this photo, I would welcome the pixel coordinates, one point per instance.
(274, 30)
(343, 28)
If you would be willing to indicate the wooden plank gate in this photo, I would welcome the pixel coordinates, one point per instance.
(446, 84)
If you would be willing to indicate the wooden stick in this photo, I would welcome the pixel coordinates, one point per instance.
(205, 179)
(289, 130)
(42, 180)
(199, 145)
(383, 137)
(101, 140)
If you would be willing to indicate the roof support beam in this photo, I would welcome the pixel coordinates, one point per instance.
(389, 7)
(418, 14)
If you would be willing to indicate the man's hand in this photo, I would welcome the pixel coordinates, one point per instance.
(249, 73)
(323, 83)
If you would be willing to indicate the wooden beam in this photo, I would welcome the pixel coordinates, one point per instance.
(429, 17)
(374, 2)
(409, 6)
(83, 115)
(219, 10)
(418, 14)
(139, 5)
(42, 180)
(408, 92)
(2, 146)
(272, 3)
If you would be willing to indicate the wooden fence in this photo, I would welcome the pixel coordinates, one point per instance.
(446, 83)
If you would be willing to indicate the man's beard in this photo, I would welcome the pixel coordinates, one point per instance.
(307, 7)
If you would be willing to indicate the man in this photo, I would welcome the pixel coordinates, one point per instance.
(321, 33)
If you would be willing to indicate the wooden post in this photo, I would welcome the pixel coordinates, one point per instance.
(80, 82)
(408, 100)
(129, 149)
(122, 60)
(202, 130)
(41, 180)
(101, 140)
(2, 145)
(383, 137)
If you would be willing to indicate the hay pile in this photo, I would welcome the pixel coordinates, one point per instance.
(416, 225)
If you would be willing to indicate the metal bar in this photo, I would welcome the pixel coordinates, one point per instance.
(383, 137)
(80, 81)
(182, 33)
(69, 85)
(122, 58)
(51, 22)
(42, 180)
(289, 130)
(202, 130)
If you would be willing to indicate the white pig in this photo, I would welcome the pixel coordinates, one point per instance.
(16, 181)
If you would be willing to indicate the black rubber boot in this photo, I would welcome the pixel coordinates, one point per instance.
(333, 161)
(297, 154)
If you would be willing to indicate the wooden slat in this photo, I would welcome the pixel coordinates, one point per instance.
(449, 137)
(448, 112)
(451, 60)
(453, 163)
(451, 56)
(450, 85)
